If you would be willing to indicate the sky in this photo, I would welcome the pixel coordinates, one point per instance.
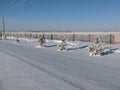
(60, 15)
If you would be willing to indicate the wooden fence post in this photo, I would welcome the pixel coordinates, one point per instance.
(73, 37)
(89, 37)
(110, 39)
(36, 35)
(51, 36)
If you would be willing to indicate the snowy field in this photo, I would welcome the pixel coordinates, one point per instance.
(23, 66)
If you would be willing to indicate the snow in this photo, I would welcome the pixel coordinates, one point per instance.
(25, 67)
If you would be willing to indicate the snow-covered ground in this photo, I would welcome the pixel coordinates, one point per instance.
(23, 66)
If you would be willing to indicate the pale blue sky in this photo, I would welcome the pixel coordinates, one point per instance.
(60, 15)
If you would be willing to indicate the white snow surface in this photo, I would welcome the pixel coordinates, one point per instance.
(25, 67)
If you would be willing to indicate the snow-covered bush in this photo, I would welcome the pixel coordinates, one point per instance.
(41, 41)
(97, 48)
(62, 45)
(17, 39)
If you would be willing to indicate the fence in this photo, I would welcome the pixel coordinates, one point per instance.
(107, 37)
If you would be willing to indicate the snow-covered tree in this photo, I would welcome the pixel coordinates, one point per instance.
(0, 35)
(41, 41)
(97, 48)
(4, 37)
(62, 45)
(17, 39)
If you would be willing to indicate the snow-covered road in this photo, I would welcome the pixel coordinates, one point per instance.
(25, 67)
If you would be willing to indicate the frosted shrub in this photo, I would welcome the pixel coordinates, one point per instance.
(96, 49)
(4, 37)
(62, 45)
(17, 39)
(41, 41)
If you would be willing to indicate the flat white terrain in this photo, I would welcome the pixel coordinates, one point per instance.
(25, 67)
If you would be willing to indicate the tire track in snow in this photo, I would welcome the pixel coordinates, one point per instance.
(62, 78)
(1, 87)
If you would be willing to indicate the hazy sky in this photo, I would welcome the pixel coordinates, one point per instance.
(60, 15)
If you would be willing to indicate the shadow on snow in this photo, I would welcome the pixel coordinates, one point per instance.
(109, 51)
(75, 48)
